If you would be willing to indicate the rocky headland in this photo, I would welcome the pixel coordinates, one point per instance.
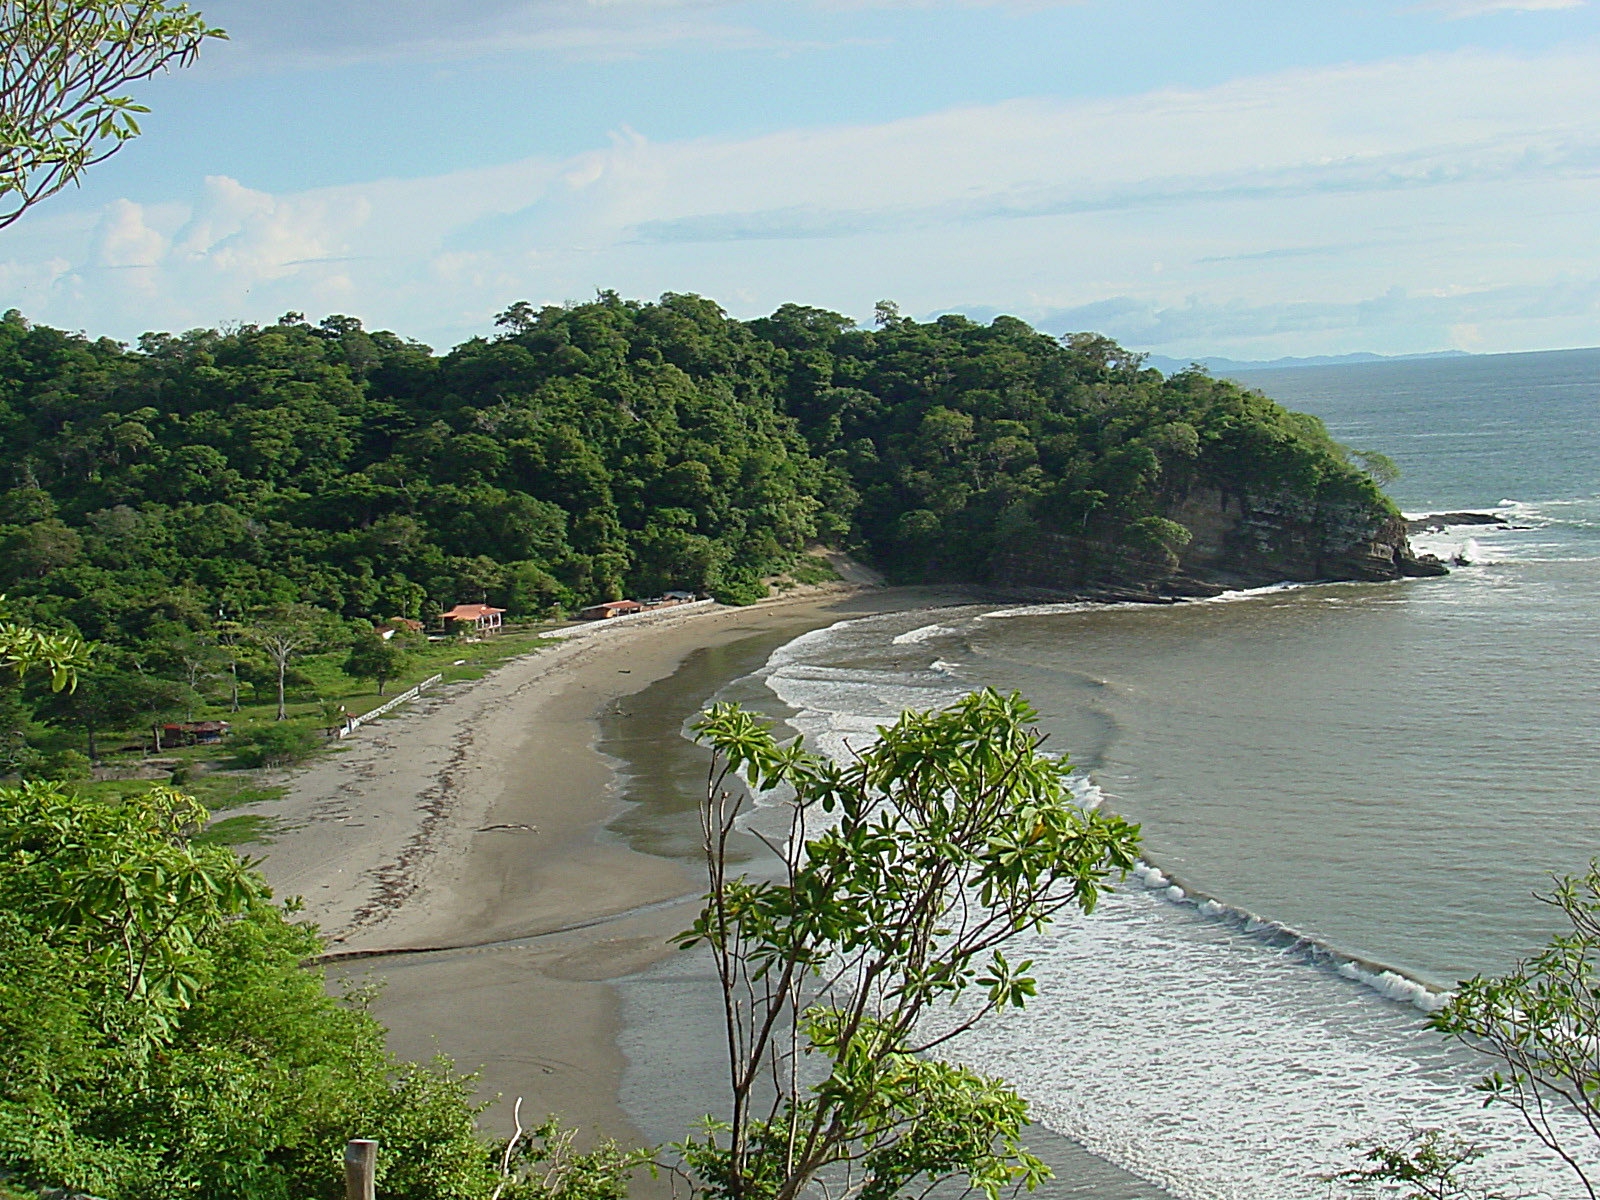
(1236, 541)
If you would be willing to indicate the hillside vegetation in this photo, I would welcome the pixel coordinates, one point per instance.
(587, 452)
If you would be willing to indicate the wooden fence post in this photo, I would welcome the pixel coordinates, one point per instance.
(360, 1169)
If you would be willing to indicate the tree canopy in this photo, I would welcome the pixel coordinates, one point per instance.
(586, 452)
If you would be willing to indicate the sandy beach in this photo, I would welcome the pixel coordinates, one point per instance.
(479, 855)
(468, 833)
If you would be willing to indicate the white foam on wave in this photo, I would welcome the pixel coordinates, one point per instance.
(838, 709)
(1395, 986)
(1044, 610)
(1220, 1070)
(921, 634)
(1150, 876)
(1236, 594)
(797, 649)
(1549, 531)
(1219, 1054)
(1231, 596)
(1387, 982)
(1085, 790)
(1457, 550)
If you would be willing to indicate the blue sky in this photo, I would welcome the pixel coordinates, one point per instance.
(1240, 179)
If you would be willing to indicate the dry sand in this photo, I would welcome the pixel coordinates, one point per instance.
(473, 822)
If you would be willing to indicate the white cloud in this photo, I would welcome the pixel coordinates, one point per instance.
(125, 240)
(1275, 214)
(1460, 9)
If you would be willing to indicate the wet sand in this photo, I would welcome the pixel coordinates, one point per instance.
(509, 857)
(472, 827)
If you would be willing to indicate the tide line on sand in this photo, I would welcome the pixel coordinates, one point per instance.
(387, 843)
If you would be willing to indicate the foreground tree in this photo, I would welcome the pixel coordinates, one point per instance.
(158, 1036)
(902, 874)
(1542, 1022)
(1428, 1164)
(61, 64)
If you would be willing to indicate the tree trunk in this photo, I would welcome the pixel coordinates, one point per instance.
(283, 710)
(234, 702)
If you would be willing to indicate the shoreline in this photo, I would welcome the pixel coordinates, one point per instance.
(458, 852)
(527, 875)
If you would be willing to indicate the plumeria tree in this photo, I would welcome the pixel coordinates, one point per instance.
(1541, 1023)
(63, 64)
(901, 877)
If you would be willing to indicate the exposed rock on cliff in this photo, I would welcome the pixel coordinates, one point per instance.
(1236, 541)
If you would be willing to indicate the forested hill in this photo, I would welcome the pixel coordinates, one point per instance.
(614, 448)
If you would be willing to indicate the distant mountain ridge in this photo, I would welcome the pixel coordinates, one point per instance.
(1230, 366)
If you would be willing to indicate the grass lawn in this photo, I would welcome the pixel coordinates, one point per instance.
(249, 829)
(214, 776)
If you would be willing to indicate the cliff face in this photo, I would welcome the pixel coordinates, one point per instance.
(1270, 539)
(1236, 542)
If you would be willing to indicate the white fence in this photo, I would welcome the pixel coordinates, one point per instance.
(592, 626)
(354, 723)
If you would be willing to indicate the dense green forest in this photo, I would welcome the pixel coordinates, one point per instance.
(583, 453)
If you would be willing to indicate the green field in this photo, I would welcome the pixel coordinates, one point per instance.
(214, 774)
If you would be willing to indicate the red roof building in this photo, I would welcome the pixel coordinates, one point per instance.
(611, 608)
(481, 616)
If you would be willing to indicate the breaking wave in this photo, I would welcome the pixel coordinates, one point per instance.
(1207, 1048)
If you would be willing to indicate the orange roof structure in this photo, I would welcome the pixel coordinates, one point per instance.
(470, 612)
(611, 608)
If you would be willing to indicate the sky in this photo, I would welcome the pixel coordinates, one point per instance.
(1240, 178)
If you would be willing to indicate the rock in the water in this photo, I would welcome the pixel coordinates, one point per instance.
(1437, 522)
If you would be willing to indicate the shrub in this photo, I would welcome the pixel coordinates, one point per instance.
(739, 587)
(159, 1038)
(281, 744)
(64, 766)
(813, 569)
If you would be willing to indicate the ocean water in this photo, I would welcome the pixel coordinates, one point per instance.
(1350, 795)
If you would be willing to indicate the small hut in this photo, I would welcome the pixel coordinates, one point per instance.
(483, 619)
(611, 608)
(193, 733)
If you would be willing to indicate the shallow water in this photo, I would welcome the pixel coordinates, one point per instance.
(1354, 776)
(672, 1035)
